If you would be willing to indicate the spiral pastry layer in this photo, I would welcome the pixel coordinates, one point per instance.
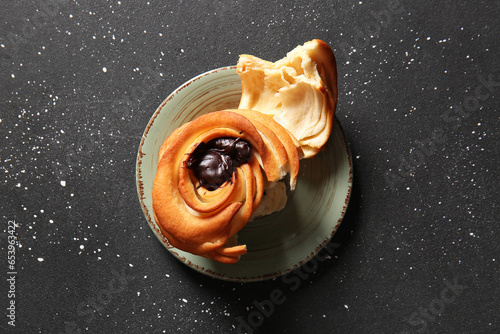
(205, 222)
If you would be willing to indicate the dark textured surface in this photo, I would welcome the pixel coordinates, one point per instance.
(418, 98)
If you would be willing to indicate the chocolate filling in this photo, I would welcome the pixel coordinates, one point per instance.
(214, 162)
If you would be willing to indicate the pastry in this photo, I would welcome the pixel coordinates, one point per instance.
(225, 168)
(210, 179)
(298, 91)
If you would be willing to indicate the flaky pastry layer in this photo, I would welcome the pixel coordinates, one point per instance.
(298, 91)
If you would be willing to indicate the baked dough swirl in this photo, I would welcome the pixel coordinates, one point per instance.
(205, 222)
(285, 113)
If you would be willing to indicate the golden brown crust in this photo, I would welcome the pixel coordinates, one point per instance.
(326, 66)
(197, 220)
(280, 138)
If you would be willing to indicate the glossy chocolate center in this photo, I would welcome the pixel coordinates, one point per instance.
(214, 162)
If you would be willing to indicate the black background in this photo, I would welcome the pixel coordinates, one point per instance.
(418, 98)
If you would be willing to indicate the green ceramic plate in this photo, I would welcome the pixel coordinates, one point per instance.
(276, 244)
